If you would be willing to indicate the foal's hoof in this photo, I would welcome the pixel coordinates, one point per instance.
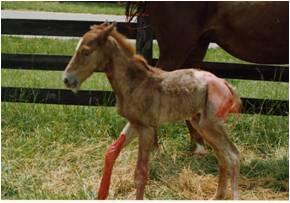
(200, 150)
(217, 197)
(220, 196)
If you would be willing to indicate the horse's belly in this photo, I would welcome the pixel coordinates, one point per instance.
(257, 52)
(254, 31)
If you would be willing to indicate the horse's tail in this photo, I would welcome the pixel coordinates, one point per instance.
(134, 9)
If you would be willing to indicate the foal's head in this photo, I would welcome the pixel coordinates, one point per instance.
(91, 54)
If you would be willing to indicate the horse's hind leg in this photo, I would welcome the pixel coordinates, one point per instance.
(194, 59)
(196, 140)
(191, 56)
(126, 136)
(227, 154)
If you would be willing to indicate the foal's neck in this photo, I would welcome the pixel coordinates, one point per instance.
(126, 72)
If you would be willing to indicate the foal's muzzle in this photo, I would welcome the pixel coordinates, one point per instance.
(71, 81)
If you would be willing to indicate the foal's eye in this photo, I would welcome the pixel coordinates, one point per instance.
(86, 52)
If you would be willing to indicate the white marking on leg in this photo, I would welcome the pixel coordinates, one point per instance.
(130, 133)
(126, 128)
(200, 149)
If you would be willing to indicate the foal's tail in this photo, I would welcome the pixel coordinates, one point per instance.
(237, 103)
(224, 98)
(221, 95)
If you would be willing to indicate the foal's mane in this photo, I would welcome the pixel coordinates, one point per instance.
(129, 49)
(140, 59)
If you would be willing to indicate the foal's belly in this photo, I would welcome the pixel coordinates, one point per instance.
(182, 95)
(177, 107)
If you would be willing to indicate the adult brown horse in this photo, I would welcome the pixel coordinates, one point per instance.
(256, 32)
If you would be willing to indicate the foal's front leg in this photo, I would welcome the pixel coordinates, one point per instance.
(127, 135)
(146, 144)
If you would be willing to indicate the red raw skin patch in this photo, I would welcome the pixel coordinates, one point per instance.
(110, 158)
(225, 104)
(229, 104)
(219, 95)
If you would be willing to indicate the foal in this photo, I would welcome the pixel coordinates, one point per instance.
(149, 97)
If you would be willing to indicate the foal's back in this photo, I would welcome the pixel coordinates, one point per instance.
(184, 94)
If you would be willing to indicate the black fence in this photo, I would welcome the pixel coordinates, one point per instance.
(143, 38)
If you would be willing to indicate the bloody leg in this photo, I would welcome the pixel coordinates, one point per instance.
(127, 135)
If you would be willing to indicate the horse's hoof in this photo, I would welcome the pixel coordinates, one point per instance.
(200, 150)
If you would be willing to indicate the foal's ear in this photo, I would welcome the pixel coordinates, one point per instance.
(100, 26)
(105, 24)
(106, 32)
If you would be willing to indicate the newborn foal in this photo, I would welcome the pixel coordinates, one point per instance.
(149, 97)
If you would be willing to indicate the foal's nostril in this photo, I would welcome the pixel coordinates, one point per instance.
(65, 80)
(70, 81)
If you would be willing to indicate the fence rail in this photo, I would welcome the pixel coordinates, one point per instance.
(107, 98)
(65, 28)
(57, 96)
(225, 70)
(143, 38)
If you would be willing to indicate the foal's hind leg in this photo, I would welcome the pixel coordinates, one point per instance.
(126, 136)
(196, 140)
(227, 154)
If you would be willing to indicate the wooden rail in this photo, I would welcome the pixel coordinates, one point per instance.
(65, 28)
(225, 70)
(107, 98)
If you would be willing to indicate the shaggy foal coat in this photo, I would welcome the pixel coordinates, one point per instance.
(149, 97)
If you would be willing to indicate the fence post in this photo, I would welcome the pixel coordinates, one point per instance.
(144, 38)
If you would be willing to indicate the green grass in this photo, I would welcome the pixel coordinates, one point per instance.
(38, 45)
(72, 7)
(56, 151)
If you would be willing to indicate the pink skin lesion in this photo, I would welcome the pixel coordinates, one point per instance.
(110, 158)
(220, 96)
(224, 108)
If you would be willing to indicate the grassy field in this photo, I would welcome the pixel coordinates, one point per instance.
(56, 151)
(72, 7)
